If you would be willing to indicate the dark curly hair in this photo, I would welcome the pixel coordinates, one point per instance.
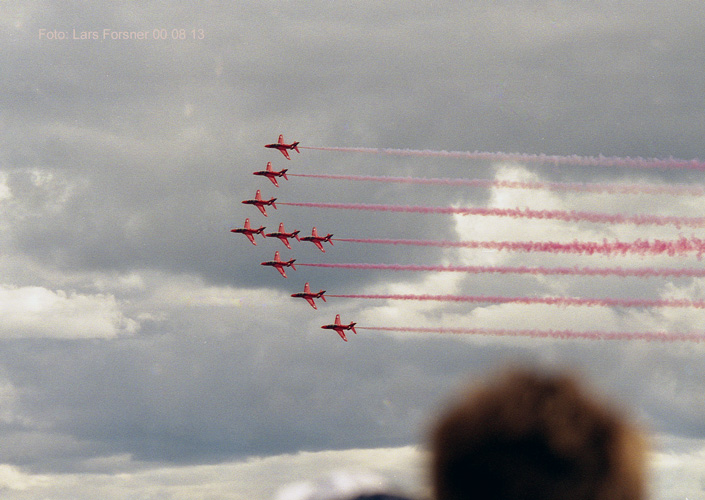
(527, 436)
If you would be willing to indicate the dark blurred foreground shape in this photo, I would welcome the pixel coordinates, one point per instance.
(528, 436)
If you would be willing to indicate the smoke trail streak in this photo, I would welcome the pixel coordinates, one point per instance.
(680, 247)
(522, 213)
(551, 301)
(576, 160)
(641, 272)
(649, 189)
(556, 334)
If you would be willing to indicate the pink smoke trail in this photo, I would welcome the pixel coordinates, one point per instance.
(680, 247)
(551, 301)
(556, 334)
(576, 160)
(649, 189)
(522, 213)
(641, 272)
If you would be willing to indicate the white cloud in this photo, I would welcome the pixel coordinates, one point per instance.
(529, 229)
(185, 291)
(9, 408)
(676, 472)
(678, 469)
(14, 480)
(125, 283)
(269, 477)
(401, 313)
(34, 311)
(5, 201)
(5, 191)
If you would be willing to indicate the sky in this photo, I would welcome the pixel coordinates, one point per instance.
(145, 353)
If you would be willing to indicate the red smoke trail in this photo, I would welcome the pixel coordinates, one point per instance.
(641, 272)
(522, 213)
(552, 186)
(586, 161)
(556, 334)
(551, 301)
(680, 247)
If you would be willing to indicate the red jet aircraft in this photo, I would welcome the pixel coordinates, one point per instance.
(317, 240)
(260, 203)
(338, 327)
(283, 147)
(272, 174)
(309, 296)
(284, 236)
(280, 264)
(249, 232)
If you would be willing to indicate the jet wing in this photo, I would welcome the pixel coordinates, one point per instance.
(310, 301)
(319, 245)
(285, 153)
(281, 270)
(251, 237)
(261, 209)
(342, 335)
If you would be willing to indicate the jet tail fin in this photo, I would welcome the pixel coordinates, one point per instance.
(274, 204)
(296, 147)
(284, 173)
(352, 326)
(292, 264)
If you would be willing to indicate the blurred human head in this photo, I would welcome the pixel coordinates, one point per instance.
(528, 436)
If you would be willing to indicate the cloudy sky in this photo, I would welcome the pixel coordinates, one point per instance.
(145, 353)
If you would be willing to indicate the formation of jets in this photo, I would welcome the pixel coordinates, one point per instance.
(284, 236)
